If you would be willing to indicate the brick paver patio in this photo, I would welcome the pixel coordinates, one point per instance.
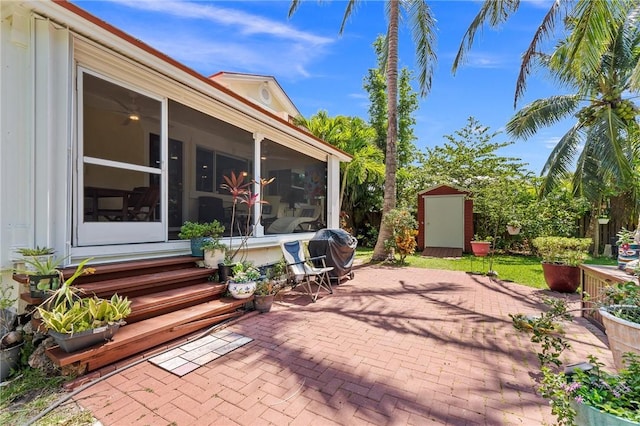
(397, 346)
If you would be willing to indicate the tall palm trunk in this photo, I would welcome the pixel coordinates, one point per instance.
(391, 161)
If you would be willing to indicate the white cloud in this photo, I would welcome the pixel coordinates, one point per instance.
(258, 45)
(244, 23)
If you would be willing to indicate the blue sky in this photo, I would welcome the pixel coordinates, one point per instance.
(321, 70)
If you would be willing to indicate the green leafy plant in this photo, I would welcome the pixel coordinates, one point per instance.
(66, 311)
(562, 250)
(403, 233)
(514, 223)
(617, 394)
(213, 244)
(244, 272)
(37, 251)
(625, 236)
(190, 230)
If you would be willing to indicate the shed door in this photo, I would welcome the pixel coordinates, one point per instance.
(444, 221)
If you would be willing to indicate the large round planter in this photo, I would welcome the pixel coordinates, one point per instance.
(480, 248)
(587, 415)
(212, 258)
(561, 278)
(263, 303)
(241, 290)
(627, 253)
(84, 339)
(9, 360)
(623, 335)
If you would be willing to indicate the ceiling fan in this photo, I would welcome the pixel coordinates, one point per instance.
(131, 111)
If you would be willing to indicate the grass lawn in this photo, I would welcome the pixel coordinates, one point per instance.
(525, 270)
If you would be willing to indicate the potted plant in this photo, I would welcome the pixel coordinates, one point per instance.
(214, 252)
(198, 233)
(560, 259)
(628, 247)
(481, 245)
(267, 289)
(242, 284)
(39, 253)
(43, 273)
(580, 393)
(620, 311)
(76, 322)
(513, 227)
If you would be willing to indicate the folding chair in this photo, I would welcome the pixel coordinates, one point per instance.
(303, 268)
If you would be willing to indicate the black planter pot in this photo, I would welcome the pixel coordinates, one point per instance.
(41, 285)
(225, 272)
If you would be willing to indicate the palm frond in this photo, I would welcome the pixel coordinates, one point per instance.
(543, 31)
(541, 113)
(424, 36)
(494, 12)
(560, 160)
(351, 5)
(593, 27)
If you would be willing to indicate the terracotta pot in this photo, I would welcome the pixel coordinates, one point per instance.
(561, 278)
(480, 248)
(263, 303)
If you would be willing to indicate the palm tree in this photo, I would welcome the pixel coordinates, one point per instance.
(591, 33)
(365, 172)
(604, 136)
(423, 30)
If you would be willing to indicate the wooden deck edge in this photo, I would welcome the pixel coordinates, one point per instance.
(140, 336)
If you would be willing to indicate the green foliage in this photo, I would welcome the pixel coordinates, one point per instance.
(65, 311)
(42, 265)
(37, 251)
(244, 272)
(190, 230)
(403, 232)
(562, 250)
(625, 236)
(213, 244)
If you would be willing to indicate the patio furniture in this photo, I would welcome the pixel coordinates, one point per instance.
(303, 220)
(302, 268)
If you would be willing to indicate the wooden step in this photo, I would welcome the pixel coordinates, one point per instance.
(128, 268)
(159, 303)
(135, 338)
(136, 284)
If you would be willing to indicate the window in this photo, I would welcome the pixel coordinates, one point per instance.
(204, 170)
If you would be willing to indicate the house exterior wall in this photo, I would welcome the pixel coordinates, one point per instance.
(468, 214)
(39, 52)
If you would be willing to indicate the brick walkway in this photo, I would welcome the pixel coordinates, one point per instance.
(393, 346)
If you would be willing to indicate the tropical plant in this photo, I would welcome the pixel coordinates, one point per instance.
(562, 250)
(66, 311)
(423, 27)
(37, 251)
(241, 193)
(403, 233)
(590, 34)
(625, 236)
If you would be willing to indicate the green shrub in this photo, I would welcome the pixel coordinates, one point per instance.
(562, 250)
